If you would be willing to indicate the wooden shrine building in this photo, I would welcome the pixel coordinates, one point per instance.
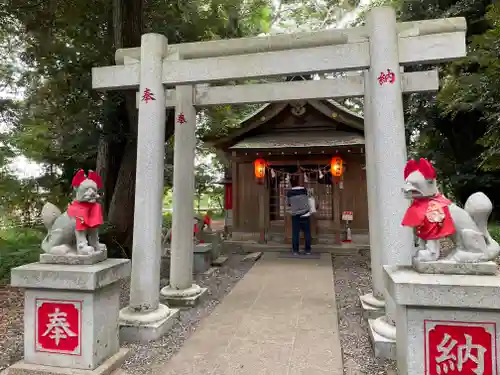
(298, 138)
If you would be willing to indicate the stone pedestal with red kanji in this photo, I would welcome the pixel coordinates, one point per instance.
(71, 315)
(445, 324)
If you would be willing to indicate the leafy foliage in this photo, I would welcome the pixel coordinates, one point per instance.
(477, 90)
(47, 51)
(307, 15)
(457, 128)
(18, 246)
(207, 175)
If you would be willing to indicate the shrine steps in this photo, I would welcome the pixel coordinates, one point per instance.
(235, 246)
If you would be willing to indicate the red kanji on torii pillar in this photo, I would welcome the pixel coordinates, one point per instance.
(147, 95)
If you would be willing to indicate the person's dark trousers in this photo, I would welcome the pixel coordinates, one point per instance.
(301, 224)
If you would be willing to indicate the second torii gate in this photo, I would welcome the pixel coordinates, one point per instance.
(165, 76)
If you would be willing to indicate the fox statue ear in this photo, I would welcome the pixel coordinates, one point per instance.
(78, 178)
(411, 166)
(426, 168)
(96, 178)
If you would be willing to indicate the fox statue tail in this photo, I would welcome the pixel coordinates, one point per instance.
(50, 213)
(479, 207)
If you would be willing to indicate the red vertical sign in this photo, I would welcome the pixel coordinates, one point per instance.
(228, 196)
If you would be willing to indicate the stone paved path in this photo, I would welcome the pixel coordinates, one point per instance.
(280, 319)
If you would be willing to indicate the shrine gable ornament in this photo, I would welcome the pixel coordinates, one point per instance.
(73, 235)
(434, 217)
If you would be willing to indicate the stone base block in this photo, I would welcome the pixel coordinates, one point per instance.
(253, 256)
(111, 364)
(70, 312)
(369, 311)
(165, 267)
(93, 258)
(454, 268)
(213, 238)
(382, 346)
(210, 271)
(175, 298)
(219, 261)
(202, 257)
(445, 316)
(146, 327)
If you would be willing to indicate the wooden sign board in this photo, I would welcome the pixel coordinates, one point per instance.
(347, 216)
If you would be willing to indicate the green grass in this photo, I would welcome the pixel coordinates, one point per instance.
(18, 246)
(494, 230)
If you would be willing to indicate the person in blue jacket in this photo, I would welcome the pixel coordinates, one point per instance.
(298, 206)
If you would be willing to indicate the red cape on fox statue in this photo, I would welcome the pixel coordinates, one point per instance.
(429, 215)
(87, 214)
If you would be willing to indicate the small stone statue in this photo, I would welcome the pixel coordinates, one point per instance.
(435, 217)
(75, 232)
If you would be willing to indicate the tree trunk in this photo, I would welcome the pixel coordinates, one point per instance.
(116, 158)
(220, 203)
(117, 152)
(121, 209)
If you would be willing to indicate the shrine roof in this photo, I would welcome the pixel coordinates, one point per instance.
(299, 140)
(244, 136)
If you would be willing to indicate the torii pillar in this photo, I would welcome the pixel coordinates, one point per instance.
(386, 122)
(373, 303)
(146, 318)
(182, 291)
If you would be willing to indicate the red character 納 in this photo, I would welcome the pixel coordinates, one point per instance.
(388, 77)
(454, 348)
(181, 119)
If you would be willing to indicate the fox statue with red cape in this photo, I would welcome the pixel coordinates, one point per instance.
(75, 232)
(429, 212)
(434, 217)
(85, 208)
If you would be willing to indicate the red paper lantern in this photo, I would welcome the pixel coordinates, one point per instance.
(259, 168)
(337, 166)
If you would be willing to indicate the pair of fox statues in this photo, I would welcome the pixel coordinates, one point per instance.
(433, 217)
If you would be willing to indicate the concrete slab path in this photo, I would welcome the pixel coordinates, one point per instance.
(280, 319)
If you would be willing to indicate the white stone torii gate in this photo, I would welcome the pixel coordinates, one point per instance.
(381, 48)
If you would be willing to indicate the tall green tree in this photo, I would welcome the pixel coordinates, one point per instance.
(446, 128)
(66, 125)
(477, 91)
(64, 122)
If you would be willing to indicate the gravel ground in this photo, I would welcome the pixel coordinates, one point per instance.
(352, 279)
(147, 357)
(11, 325)
(144, 356)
